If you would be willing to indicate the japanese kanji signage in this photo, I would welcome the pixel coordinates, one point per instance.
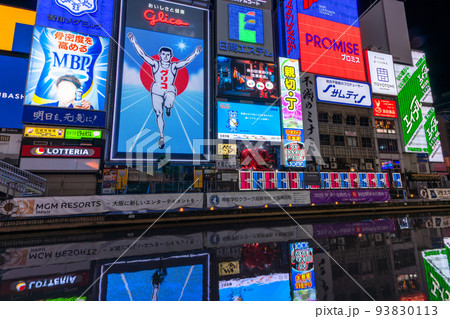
(93, 17)
(381, 73)
(343, 92)
(302, 271)
(436, 269)
(63, 116)
(384, 108)
(432, 135)
(309, 114)
(244, 29)
(292, 121)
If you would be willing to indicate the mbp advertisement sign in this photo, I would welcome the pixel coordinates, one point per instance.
(328, 35)
(291, 107)
(94, 17)
(162, 102)
(67, 73)
(244, 29)
(381, 73)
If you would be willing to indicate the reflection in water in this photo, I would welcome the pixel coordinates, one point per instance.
(399, 258)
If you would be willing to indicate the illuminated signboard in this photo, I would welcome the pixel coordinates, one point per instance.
(384, 108)
(60, 151)
(68, 299)
(328, 36)
(343, 92)
(43, 132)
(291, 108)
(17, 29)
(92, 17)
(381, 73)
(72, 134)
(246, 78)
(162, 100)
(437, 274)
(12, 87)
(432, 135)
(239, 121)
(245, 31)
(302, 272)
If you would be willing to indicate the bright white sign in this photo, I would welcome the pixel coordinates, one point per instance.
(343, 92)
(381, 73)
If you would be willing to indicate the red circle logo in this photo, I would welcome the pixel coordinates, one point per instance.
(40, 151)
(354, 194)
(21, 286)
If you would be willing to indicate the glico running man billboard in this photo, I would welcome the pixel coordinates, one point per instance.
(325, 36)
(162, 87)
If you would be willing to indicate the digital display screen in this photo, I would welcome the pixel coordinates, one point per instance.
(302, 272)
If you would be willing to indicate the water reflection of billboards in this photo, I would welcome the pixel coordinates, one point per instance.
(273, 287)
(302, 272)
(246, 78)
(177, 278)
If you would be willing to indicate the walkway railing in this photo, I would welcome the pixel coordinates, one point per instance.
(15, 179)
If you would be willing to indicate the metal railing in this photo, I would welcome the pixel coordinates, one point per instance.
(11, 175)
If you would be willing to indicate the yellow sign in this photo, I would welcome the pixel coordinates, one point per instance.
(229, 268)
(198, 178)
(122, 178)
(43, 132)
(9, 18)
(226, 149)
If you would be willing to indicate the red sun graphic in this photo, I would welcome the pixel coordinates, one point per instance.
(354, 194)
(181, 80)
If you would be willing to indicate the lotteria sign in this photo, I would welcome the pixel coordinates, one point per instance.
(328, 35)
(60, 151)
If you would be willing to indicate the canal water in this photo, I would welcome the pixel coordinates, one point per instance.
(324, 259)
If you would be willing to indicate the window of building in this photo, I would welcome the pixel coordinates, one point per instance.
(387, 145)
(324, 139)
(339, 140)
(337, 118)
(350, 120)
(366, 141)
(323, 117)
(352, 141)
(364, 121)
(385, 126)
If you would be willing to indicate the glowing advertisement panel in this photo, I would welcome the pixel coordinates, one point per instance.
(239, 121)
(162, 102)
(291, 107)
(12, 86)
(177, 278)
(246, 78)
(432, 135)
(381, 73)
(273, 287)
(340, 11)
(94, 17)
(384, 108)
(330, 48)
(302, 272)
(343, 92)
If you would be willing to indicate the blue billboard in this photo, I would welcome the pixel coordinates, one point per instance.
(162, 103)
(340, 11)
(12, 87)
(93, 17)
(239, 121)
(63, 116)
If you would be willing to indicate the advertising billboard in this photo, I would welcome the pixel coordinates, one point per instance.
(175, 278)
(60, 151)
(437, 274)
(343, 92)
(384, 108)
(291, 108)
(12, 87)
(239, 121)
(302, 272)
(162, 102)
(93, 17)
(246, 78)
(244, 29)
(17, 29)
(381, 73)
(432, 135)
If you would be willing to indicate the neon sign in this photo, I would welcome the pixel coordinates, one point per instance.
(162, 17)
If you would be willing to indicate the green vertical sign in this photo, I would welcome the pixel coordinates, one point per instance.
(432, 132)
(438, 284)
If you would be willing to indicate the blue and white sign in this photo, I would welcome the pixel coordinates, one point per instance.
(238, 121)
(63, 116)
(12, 87)
(332, 90)
(340, 11)
(381, 73)
(93, 17)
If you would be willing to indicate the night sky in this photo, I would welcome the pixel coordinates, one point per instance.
(428, 24)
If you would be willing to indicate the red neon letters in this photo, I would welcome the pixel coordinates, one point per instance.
(162, 17)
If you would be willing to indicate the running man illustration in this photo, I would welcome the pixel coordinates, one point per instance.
(163, 90)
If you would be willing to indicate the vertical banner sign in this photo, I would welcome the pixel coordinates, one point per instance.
(162, 102)
(412, 89)
(302, 272)
(432, 136)
(292, 42)
(309, 114)
(381, 73)
(292, 121)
